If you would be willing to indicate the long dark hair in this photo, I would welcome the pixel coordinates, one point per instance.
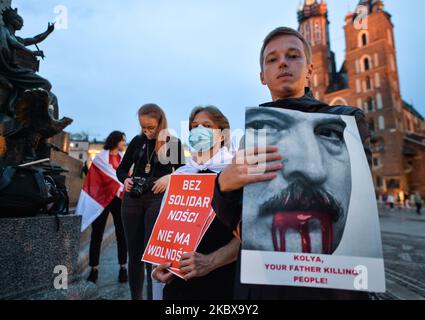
(113, 140)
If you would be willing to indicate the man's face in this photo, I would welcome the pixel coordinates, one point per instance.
(285, 68)
(305, 208)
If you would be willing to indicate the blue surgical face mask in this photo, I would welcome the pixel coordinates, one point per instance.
(201, 139)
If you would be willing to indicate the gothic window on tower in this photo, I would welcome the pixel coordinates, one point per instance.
(377, 80)
(370, 104)
(381, 123)
(363, 39)
(376, 60)
(390, 37)
(317, 33)
(366, 64)
(379, 101)
(358, 86)
(368, 83)
(307, 32)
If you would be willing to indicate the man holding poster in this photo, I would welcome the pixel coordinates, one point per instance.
(308, 196)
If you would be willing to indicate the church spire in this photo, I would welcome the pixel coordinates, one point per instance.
(372, 5)
(312, 8)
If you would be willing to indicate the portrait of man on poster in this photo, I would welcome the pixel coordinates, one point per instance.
(305, 208)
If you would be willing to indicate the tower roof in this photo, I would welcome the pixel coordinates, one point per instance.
(372, 5)
(312, 8)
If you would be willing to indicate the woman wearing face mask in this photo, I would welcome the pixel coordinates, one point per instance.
(209, 272)
(155, 155)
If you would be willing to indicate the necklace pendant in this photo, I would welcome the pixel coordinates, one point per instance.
(148, 168)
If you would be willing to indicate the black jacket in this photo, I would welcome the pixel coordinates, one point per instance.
(228, 207)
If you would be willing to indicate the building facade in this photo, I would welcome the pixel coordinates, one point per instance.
(368, 79)
(79, 146)
(84, 149)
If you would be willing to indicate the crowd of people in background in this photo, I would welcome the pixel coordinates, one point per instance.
(402, 200)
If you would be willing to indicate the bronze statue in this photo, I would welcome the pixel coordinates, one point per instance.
(28, 108)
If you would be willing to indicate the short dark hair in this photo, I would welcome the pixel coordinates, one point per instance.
(285, 31)
(217, 117)
(113, 140)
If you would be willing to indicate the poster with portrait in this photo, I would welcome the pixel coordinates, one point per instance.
(316, 224)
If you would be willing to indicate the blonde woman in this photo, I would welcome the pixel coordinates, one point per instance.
(155, 155)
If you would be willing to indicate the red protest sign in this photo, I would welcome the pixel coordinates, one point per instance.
(185, 216)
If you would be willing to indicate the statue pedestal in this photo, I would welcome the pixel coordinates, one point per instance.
(31, 248)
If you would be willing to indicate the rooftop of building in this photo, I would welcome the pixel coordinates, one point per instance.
(409, 107)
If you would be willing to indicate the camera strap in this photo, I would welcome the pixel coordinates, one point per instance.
(142, 154)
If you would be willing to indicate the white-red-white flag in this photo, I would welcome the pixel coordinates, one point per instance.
(100, 187)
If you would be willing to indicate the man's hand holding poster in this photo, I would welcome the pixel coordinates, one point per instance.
(185, 216)
(316, 224)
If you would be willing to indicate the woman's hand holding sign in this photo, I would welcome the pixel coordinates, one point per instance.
(197, 265)
(251, 166)
(161, 184)
(192, 264)
(161, 274)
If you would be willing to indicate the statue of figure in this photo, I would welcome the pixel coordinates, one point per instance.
(18, 65)
(28, 108)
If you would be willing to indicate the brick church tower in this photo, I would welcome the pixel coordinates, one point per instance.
(314, 25)
(368, 79)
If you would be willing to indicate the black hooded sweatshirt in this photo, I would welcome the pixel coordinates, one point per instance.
(228, 207)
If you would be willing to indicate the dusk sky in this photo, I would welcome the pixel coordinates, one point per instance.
(117, 55)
